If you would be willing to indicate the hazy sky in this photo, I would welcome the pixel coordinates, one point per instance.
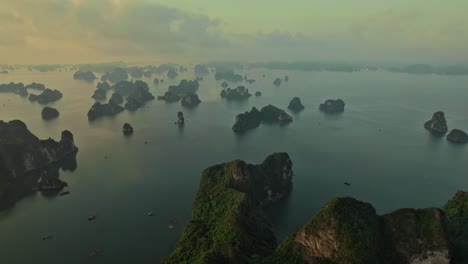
(81, 31)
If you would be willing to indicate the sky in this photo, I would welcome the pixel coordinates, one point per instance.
(90, 31)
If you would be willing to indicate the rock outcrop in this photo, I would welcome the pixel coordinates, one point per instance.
(277, 82)
(180, 118)
(125, 88)
(190, 100)
(147, 74)
(17, 88)
(172, 73)
(115, 76)
(346, 230)
(273, 114)
(99, 95)
(437, 125)
(252, 119)
(48, 113)
(24, 157)
(47, 96)
(103, 86)
(116, 98)
(228, 225)
(35, 86)
(457, 136)
(127, 129)
(135, 72)
(99, 110)
(332, 106)
(296, 105)
(240, 93)
(84, 76)
(138, 98)
(185, 87)
(169, 97)
(229, 76)
(224, 84)
(247, 120)
(176, 92)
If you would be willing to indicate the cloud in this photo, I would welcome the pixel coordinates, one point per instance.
(83, 31)
(112, 28)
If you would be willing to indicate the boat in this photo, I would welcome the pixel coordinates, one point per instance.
(91, 217)
(150, 214)
(48, 237)
(95, 252)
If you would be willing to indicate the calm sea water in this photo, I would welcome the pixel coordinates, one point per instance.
(378, 144)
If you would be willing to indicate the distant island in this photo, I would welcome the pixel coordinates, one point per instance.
(252, 119)
(84, 76)
(228, 224)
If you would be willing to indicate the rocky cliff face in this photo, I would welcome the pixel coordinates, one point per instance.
(437, 125)
(332, 106)
(227, 224)
(252, 119)
(22, 155)
(349, 231)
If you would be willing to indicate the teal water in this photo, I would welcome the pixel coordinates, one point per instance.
(378, 144)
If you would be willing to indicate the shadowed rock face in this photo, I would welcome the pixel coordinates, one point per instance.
(103, 86)
(296, 105)
(23, 155)
(273, 114)
(332, 106)
(138, 98)
(416, 236)
(99, 95)
(247, 120)
(228, 225)
(437, 125)
(48, 113)
(252, 119)
(457, 136)
(116, 98)
(240, 93)
(100, 110)
(47, 96)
